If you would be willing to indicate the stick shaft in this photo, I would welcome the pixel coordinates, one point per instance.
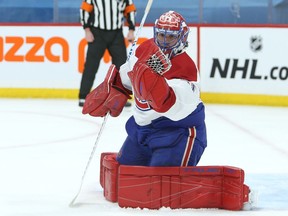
(147, 9)
(90, 158)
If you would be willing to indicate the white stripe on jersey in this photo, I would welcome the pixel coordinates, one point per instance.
(109, 14)
(114, 15)
(100, 14)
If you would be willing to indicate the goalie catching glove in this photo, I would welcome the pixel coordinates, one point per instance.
(147, 80)
(110, 96)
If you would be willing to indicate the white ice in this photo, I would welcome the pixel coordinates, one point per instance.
(45, 146)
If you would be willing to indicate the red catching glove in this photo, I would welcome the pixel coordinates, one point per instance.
(110, 96)
(151, 87)
(153, 56)
(147, 80)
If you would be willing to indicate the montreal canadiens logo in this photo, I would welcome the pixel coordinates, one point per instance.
(169, 19)
(142, 105)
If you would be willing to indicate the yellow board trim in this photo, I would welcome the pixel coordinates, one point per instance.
(38, 93)
(207, 97)
(245, 99)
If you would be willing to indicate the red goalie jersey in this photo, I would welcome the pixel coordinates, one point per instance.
(174, 94)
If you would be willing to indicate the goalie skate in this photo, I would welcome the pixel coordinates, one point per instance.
(252, 201)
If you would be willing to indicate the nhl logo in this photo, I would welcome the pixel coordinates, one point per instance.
(256, 43)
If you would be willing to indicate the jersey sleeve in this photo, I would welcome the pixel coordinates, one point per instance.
(129, 14)
(187, 98)
(183, 77)
(124, 69)
(86, 10)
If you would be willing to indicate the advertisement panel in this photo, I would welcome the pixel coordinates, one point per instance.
(240, 64)
(246, 60)
(53, 56)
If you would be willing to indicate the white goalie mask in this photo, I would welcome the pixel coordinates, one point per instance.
(171, 33)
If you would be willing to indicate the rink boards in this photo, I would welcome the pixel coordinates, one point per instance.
(238, 64)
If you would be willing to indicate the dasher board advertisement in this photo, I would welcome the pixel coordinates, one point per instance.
(246, 60)
(54, 56)
(238, 64)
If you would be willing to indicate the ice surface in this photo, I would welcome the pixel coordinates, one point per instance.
(45, 146)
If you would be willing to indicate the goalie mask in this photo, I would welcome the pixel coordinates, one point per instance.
(170, 33)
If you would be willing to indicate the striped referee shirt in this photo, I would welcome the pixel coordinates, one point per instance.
(107, 14)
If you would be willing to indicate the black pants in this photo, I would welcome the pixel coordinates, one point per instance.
(112, 40)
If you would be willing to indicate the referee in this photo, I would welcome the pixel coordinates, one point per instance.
(102, 21)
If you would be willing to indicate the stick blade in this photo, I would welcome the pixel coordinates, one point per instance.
(72, 204)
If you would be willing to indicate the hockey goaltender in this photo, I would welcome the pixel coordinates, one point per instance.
(157, 163)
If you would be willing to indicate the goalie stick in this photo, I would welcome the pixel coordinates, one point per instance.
(147, 9)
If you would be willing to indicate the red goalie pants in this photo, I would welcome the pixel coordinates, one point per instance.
(175, 187)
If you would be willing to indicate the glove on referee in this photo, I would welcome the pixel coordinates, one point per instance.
(110, 96)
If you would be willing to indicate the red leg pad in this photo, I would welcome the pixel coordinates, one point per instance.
(234, 192)
(147, 187)
(109, 176)
(102, 167)
(182, 187)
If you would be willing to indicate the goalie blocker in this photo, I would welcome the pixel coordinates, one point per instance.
(175, 187)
